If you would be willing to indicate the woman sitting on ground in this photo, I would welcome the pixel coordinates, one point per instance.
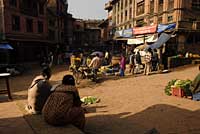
(38, 92)
(64, 106)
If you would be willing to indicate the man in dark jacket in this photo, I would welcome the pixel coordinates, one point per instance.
(138, 62)
(155, 60)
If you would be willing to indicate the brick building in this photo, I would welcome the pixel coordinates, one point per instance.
(107, 27)
(56, 16)
(92, 33)
(24, 26)
(68, 30)
(86, 34)
(137, 13)
(78, 34)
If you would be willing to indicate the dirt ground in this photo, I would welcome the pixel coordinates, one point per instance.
(129, 105)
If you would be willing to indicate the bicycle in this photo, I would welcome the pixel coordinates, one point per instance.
(83, 72)
(88, 73)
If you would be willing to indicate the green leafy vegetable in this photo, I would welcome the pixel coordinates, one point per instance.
(89, 100)
(168, 87)
(183, 84)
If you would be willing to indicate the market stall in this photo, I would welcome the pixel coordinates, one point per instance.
(180, 60)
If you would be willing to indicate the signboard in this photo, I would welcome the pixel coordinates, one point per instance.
(118, 33)
(135, 41)
(144, 30)
(163, 27)
(150, 39)
(127, 33)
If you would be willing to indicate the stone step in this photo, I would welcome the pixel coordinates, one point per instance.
(39, 126)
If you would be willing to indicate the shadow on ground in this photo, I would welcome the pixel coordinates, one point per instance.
(161, 118)
(93, 109)
(15, 97)
(15, 125)
(33, 124)
(41, 127)
(4, 98)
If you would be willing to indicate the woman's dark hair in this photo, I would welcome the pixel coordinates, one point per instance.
(97, 54)
(149, 50)
(68, 80)
(46, 72)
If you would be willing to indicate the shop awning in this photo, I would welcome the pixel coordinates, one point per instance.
(163, 27)
(135, 41)
(125, 39)
(6, 46)
(161, 40)
(152, 38)
(141, 47)
(149, 39)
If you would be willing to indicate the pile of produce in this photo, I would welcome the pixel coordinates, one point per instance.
(90, 100)
(109, 70)
(183, 84)
(168, 90)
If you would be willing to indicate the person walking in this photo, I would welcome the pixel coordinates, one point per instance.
(155, 60)
(138, 61)
(107, 58)
(95, 64)
(148, 63)
(50, 59)
(122, 65)
(131, 63)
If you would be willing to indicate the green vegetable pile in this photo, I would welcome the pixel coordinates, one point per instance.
(90, 100)
(168, 87)
(183, 84)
